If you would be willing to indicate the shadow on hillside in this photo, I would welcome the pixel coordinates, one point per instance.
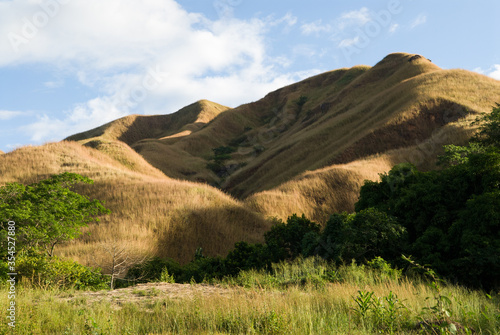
(215, 230)
(430, 117)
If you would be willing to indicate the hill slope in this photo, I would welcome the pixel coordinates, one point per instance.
(305, 148)
(151, 213)
(402, 103)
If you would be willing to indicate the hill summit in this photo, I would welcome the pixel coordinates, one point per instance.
(208, 175)
(334, 118)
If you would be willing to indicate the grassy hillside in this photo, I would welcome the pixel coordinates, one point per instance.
(305, 148)
(153, 136)
(303, 138)
(344, 115)
(151, 213)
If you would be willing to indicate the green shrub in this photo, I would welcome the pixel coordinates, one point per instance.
(46, 271)
(362, 236)
(246, 256)
(153, 269)
(285, 240)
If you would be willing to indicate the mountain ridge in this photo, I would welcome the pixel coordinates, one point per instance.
(304, 148)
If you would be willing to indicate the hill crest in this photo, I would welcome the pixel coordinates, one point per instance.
(304, 148)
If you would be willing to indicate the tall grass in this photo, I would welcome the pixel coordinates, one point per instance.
(151, 213)
(295, 308)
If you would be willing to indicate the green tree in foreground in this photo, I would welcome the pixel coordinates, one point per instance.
(47, 213)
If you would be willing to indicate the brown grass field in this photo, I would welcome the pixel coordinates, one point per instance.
(310, 157)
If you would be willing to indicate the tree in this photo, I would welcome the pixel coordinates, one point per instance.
(284, 241)
(489, 128)
(116, 259)
(362, 236)
(451, 215)
(48, 212)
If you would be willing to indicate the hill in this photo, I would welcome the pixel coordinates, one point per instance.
(151, 213)
(305, 148)
(146, 134)
(402, 109)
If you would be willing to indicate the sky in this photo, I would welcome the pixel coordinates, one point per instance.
(67, 66)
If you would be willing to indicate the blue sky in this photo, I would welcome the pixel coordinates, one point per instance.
(70, 65)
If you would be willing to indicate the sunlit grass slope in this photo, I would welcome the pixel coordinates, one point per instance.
(151, 213)
(305, 148)
(153, 137)
(327, 133)
(394, 105)
(333, 118)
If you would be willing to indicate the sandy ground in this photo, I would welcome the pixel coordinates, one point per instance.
(150, 292)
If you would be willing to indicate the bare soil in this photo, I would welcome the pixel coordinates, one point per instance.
(151, 292)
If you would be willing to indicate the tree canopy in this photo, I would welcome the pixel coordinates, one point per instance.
(48, 212)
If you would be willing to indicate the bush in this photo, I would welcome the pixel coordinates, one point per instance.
(246, 256)
(285, 240)
(41, 270)
(362, 236)
(153, 269)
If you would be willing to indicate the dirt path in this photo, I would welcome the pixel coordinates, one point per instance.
(151, 292)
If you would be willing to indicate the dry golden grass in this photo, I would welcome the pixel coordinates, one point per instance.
(311, 159)
(150, 212)
(334, 189)
(320, 193)
(162, 308)
(349, 114)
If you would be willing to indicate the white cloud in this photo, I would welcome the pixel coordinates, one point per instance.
(419, 20)
(355, 17)
(83, 117)
(496, 72)
(289, 20)
(393, 28)
(54, 83)
(479, 70)
(112, 46)
(493, 72)
(7, 115)
(315, 27)
(345, 43)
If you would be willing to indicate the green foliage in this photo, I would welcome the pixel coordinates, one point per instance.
(384, 268)
(152, 270)
(165, 277)
(44, 271)
(301, 101)
(46, 213)
(246, 256)
(478, 229)
(456, 155)
(489, 128)
(223, 151)
(386, 313)
(218, 161)
(442, 211)
(362, 236)
(452, 216)
(436, 318)
(285, 240)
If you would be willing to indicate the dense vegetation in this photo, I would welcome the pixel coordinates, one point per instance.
(36, 218)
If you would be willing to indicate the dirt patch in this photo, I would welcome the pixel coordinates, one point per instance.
(151, 292)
